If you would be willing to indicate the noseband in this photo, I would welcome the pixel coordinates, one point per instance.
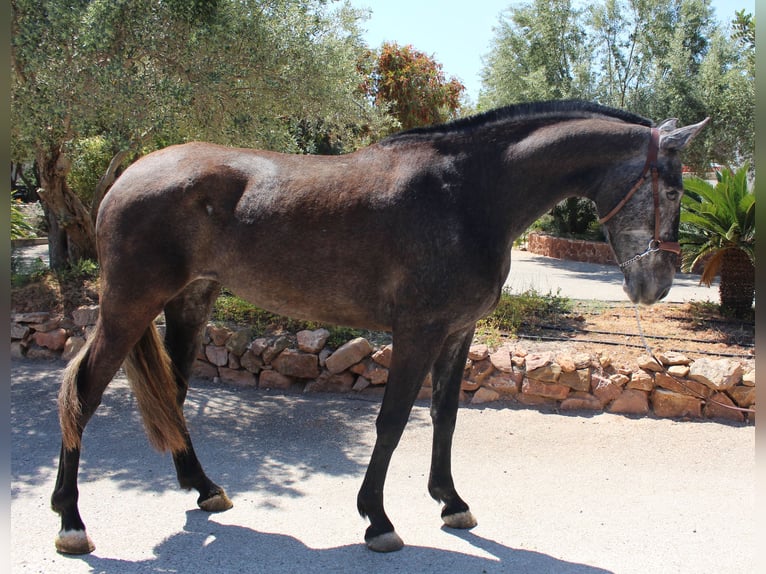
(655, 244)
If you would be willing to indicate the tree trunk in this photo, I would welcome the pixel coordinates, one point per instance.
(106, 182)
(737, 287)
(72, 236)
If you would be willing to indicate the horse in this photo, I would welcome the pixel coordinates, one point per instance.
(292, 234)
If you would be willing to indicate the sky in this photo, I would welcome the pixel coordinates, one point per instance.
(458, 35)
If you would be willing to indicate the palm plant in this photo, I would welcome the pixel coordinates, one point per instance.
(718, 232)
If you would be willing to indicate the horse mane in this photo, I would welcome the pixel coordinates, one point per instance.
(562, 109)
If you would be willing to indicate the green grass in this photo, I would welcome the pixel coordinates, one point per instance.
(511, 312)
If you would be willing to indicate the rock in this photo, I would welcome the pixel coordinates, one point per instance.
(484, 395)
(580, 401)
(582, 361)
(748, 379)
(360, 384)
(743, 396)
(53, 340)
(619, 379)
(578, 380)
(566, 363)
(17, 351)
(53, 323)
(468, 386)
(716, 408)
(669, 358)
(251, 362)
(72, 347)
(219, 356)
(270, 379)
(238, 342)
(674, 405)
(605, 390)
(236, 377)
(544, 389)
(85, 315)
(348, 354)
(647, 363)
(631, 402)
(328, 382)
(298, 364)
(680, 371)
(683, 387)
(258, 346)
(503, 383)
(204, 370)
(41, 354)
(718, 374)
(535, 400)
(219, 335)
(641, 381)
(503, 361)
(480, 370)
(536, 361)
(19, 331)
(274, 348)
(31, 318)
(383, 356)
(478, 352)
(312, 341)
(549, 373)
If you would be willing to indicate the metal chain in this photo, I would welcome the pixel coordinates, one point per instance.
(653, 247)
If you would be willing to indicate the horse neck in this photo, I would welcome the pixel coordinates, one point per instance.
(543, 165)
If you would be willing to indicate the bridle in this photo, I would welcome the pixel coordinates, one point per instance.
(655, 244)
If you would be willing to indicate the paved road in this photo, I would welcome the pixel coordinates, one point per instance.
(552, 493)
(591, 281)
(544, 275)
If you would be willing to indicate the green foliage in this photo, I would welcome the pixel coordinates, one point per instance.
(718, 232)
(20, 227)
(79, 271)
(656, 58)
(90, 159)
(529, 307)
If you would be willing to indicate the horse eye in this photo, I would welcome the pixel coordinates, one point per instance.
(672, 194)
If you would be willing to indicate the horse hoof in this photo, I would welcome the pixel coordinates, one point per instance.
(388, 542)
(462, 520)
(216, 503)
(74, 542)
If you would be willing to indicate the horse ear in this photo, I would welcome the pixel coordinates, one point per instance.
(668, 125)
(679, 138)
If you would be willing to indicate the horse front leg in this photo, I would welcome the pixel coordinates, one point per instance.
(410, 364)
(447, 377)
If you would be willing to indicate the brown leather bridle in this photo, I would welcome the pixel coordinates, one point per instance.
(655, 244)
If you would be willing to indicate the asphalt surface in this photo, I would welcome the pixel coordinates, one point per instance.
(552, 493)
(572, 279)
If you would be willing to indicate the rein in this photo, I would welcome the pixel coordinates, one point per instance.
(691, 391)
(655, 244)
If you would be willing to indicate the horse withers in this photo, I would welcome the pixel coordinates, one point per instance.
(292, 234)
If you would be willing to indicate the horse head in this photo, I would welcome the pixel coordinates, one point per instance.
(642, 227)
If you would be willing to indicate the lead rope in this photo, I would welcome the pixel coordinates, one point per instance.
(684, 385)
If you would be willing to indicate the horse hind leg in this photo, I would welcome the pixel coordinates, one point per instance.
(83, 385)
(448, 374)
(185, 319)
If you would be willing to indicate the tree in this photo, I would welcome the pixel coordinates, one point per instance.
(147, 73)
(538, 53)
(718, 232)
(410, 85)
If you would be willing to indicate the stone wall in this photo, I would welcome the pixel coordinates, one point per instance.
(303, 362)
(570, 249)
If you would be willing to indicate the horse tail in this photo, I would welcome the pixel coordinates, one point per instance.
(151, 375)
(152, 378)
